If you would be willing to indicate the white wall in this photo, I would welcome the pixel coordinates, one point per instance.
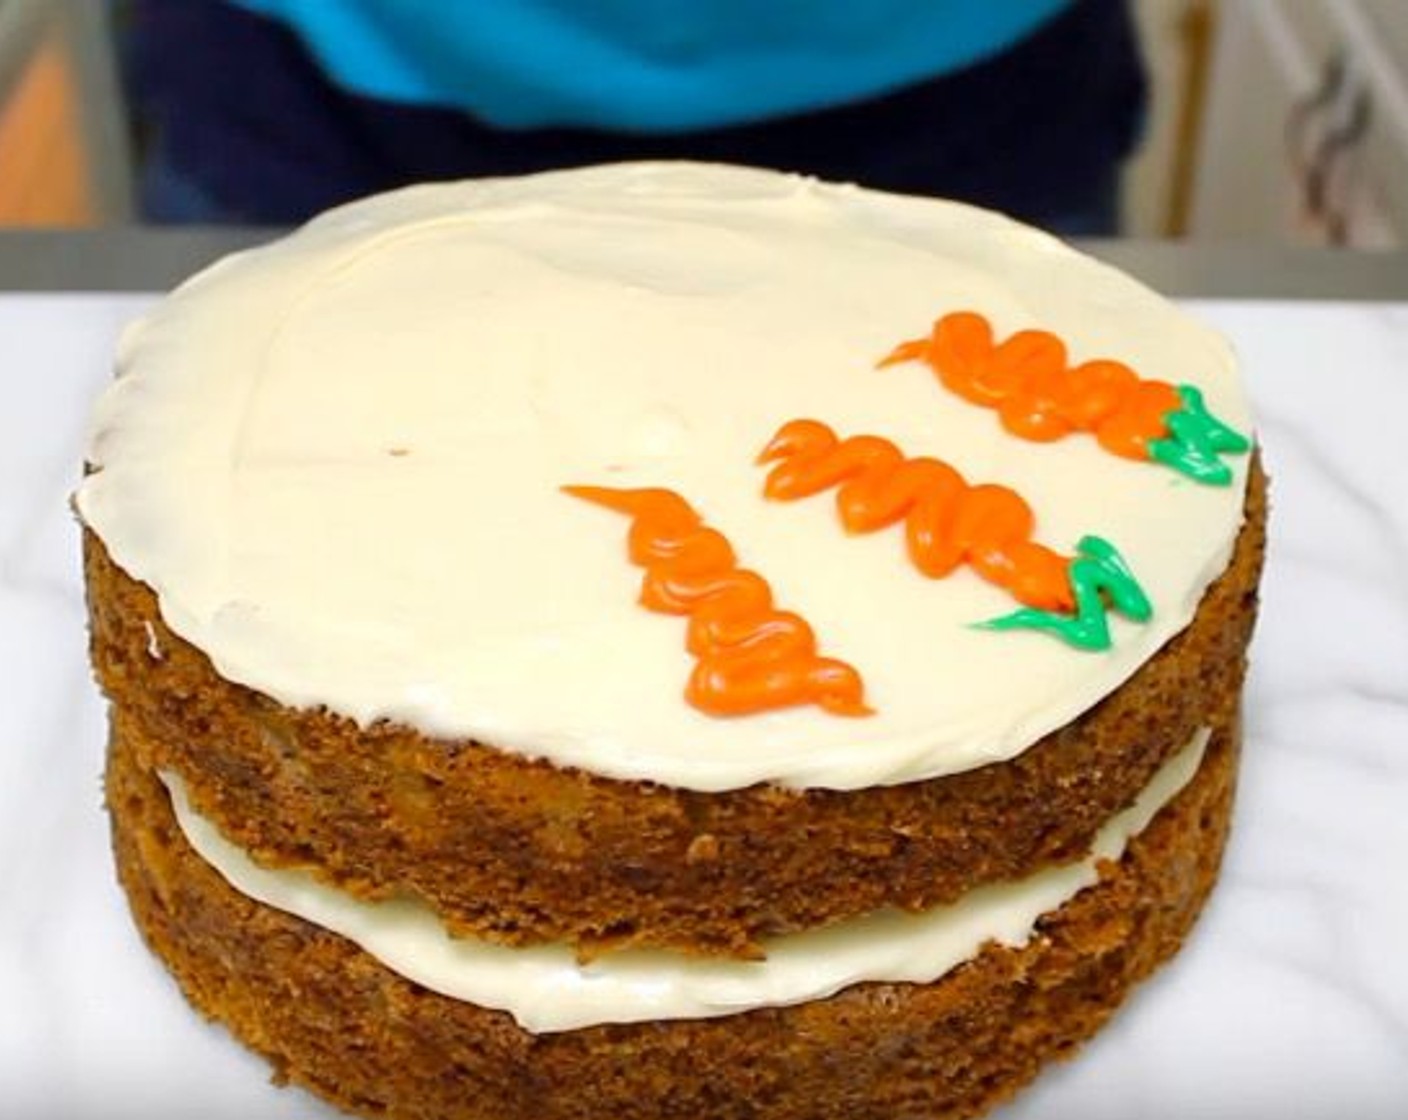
(1149, 186)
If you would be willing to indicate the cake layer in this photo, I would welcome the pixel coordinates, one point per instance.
(331, 1018)
(520, 851)
(545, 988)
(339, 461)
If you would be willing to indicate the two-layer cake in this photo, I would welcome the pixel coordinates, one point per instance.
(668, 640)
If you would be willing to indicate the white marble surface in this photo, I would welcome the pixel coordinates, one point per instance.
(1291, 1000)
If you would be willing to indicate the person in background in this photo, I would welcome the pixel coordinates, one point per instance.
(268, 111)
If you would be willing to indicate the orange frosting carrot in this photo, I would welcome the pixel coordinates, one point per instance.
(1037, 396)
(751, 656)
(947, 521)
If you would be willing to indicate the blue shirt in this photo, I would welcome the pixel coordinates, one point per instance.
(649, 66)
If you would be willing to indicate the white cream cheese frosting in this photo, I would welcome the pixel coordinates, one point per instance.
(546, 989)
(337, 460)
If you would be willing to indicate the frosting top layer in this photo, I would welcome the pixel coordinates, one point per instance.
(338, 461)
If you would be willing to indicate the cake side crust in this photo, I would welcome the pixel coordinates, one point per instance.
(331, 1018)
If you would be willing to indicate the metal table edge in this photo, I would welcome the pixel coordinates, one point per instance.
(140, 259)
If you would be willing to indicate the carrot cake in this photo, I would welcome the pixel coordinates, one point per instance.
(668, 639)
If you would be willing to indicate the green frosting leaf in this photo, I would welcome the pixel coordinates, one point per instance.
(1195, 439)
(1101, 581)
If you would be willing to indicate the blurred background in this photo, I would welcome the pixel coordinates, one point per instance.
(1265, 121)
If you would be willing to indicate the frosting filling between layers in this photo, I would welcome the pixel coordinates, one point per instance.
(545, 989)
(338, 462)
